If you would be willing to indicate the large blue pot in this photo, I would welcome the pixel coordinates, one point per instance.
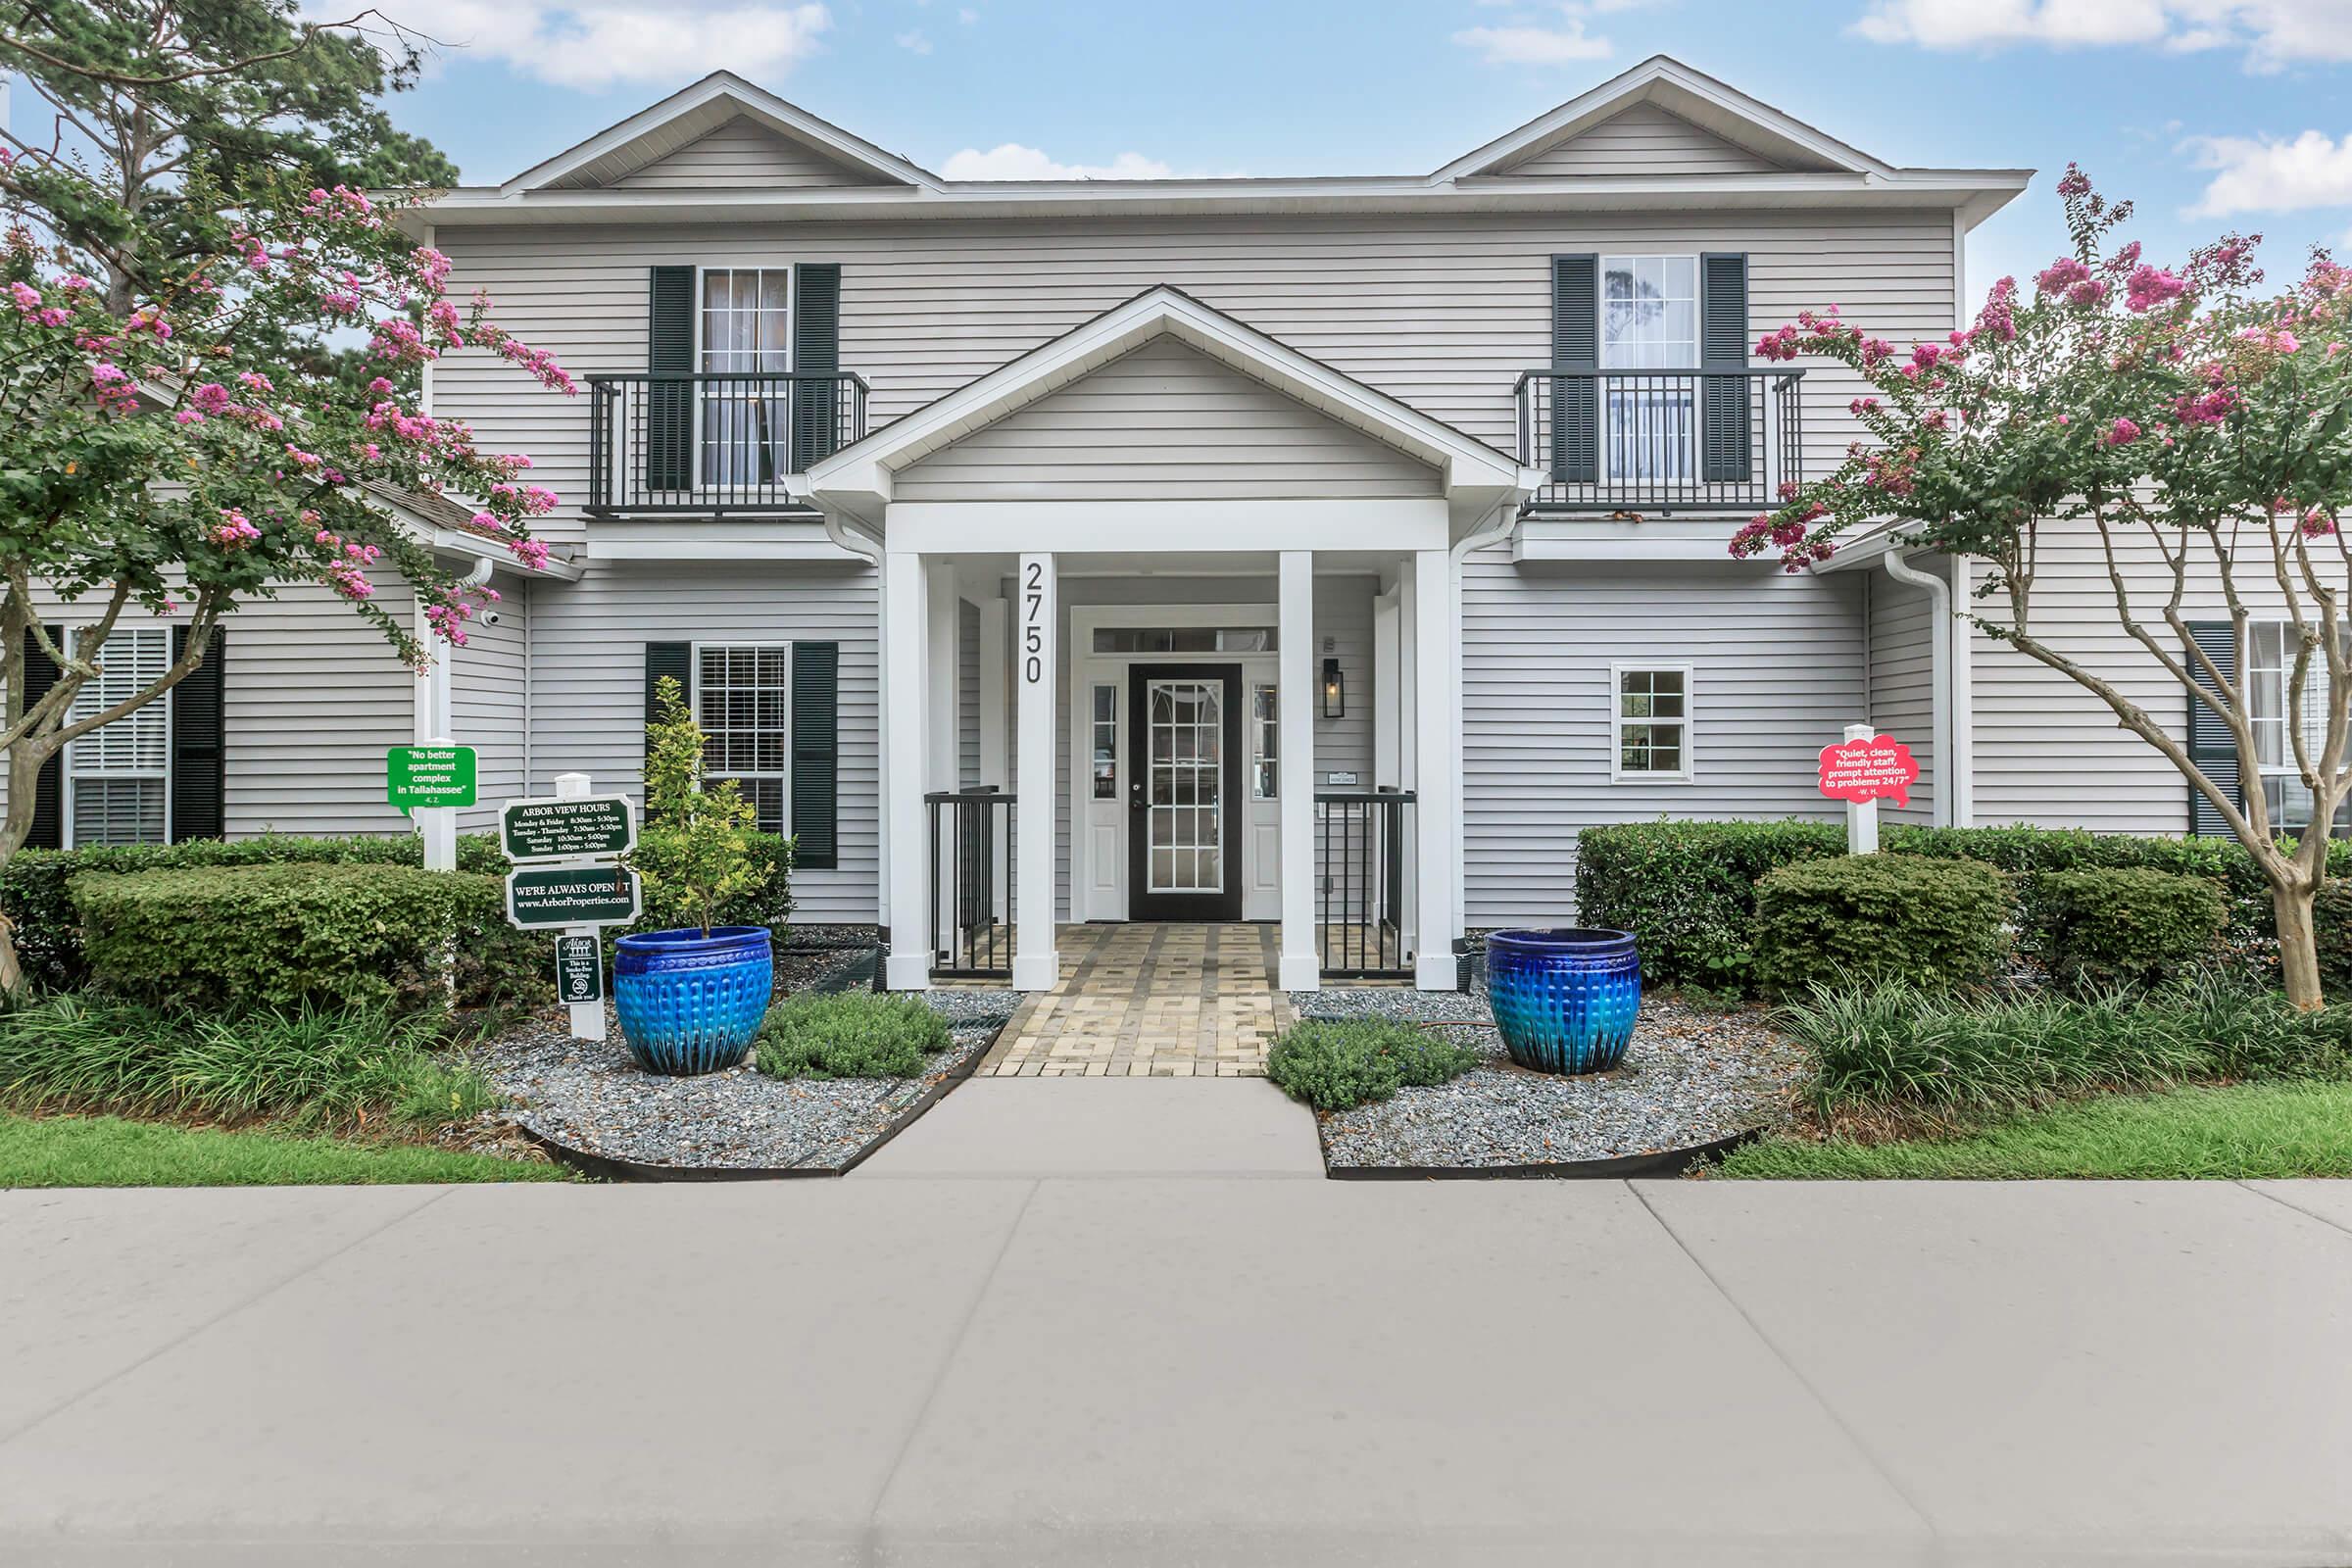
(1565, 999)
(690, 1003)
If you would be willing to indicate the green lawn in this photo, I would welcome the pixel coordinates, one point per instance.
(110, 1152)
(2243, 1132)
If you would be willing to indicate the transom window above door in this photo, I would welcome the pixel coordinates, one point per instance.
(1648, 313)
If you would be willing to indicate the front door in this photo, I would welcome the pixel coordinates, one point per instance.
(1183, 839)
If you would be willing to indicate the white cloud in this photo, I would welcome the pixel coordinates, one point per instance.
(915, 42)
(1013, 161)
(2266, 176)
(2271, 34)
(967, 16)
(1534, 46)
(601, 45)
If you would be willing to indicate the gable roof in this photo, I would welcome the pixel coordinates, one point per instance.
(687, 116)
(858, 479)
(1713, 106)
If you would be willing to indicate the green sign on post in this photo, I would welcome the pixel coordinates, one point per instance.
(579, 828)
(429, 776)
(580, 969)
(576, 895)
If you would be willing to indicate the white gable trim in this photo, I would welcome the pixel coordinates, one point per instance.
(1675, 87)
(856, 481)
(702, 108)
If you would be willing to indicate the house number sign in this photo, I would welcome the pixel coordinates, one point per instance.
(1033, 622)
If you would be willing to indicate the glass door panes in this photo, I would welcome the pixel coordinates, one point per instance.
(1649, 322)
(1265, 728)
(1185, 819)
(1107, 743)
(747, 327)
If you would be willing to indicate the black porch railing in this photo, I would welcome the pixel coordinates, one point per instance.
(971, 883)
(714, 443)
(1361, 841)
(1661, 441)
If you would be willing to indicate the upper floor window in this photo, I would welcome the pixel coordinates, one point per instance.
(743, 699)
(1649, 321)
(116, 777)
(747, 333)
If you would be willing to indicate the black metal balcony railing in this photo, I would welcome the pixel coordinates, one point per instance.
(714, 443)
(1660, 441)
(1359, 924)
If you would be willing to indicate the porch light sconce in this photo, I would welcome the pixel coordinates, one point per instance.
(1335, 690)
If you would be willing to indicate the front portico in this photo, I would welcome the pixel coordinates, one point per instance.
(1167, 624)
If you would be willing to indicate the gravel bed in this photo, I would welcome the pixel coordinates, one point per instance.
(810, 968)
(1693, 1076)
(589, 1096)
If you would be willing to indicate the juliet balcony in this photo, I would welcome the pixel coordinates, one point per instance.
(1658, 442)
(714, 444)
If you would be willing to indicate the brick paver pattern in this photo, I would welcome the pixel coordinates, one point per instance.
(1150, 1002)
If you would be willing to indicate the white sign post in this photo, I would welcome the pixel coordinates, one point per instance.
(1861, 817)
(588, 1017)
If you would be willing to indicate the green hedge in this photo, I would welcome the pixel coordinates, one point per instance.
(242, 939)
(2105, 927)
(1934, 923)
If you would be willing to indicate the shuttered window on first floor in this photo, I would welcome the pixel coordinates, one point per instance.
(118, 778)
(2271, 671)
(743, 701)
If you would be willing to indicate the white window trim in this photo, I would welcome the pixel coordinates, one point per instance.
(66, 775)
(1600, 353)
(694, 705)
(2290, 723)
(792, 295)
(1617, 722)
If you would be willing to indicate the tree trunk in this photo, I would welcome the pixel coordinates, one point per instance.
(2298, 945)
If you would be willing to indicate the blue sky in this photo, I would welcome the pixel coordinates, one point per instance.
(2208, 113)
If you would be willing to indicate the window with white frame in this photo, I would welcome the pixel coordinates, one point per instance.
(2271, 671)
(1265, 757)
(1106, 742)
(743, 699)
(1651, 723)
(746, 332)
(1649, 321)
(118, 778)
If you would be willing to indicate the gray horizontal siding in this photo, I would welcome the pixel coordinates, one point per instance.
(1164, 421)
(312, 698)
(1902, 683)
(1441, 313)
(1776, 673)
(488, 684)
(589, 682)
(1643, 139)
(741, 154)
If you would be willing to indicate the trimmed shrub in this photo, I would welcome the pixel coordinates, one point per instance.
(1333, 1065)
(332, 1066)
(241, 938)
(1880, 917)
(849, 1034)
(1687, 889)
(2331, 922)
(2099, 929)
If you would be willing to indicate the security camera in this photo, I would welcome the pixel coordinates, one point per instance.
(491, 617)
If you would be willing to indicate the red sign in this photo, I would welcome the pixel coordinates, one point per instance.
(1880, 768)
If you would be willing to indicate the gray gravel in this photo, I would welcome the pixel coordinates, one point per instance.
(590, 1096)
(1692, 1076)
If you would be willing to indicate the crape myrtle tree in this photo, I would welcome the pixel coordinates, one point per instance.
(2191, 424)
(168, 453)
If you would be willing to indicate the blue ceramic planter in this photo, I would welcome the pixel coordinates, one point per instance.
(690, 1003)
(1564, 1000)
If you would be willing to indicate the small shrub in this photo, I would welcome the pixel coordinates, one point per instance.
(2094, 930)
(695, 854)
(307, 1066)
(254, 938)
(2331, 921)
(850, 1034)
(1880, 916)
(1334, 1065)
(1687, 889)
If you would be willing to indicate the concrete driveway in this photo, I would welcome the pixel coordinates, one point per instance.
(1226, 1368)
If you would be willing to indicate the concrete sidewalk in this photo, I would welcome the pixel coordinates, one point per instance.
(1182, 1370)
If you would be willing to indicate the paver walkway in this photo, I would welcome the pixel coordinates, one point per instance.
(1150, 1002)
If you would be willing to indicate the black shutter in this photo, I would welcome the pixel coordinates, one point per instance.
(1724, 442)
(815, 350)
(49, 795)
(198, 753)
(668, 434)
(1576, 349)
(2211, 746)
(673, 660)
(816, 756)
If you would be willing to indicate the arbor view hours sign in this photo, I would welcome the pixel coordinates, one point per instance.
(591, 826)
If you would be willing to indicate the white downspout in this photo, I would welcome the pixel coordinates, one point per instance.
(1492, 527)
(846, 538)
(1953, 724)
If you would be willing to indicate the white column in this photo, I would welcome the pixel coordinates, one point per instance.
(1387, 695)
(437, 824)
(943, 757)
(1036, 963)
(996, 715)
(1409, 741)
(905, 625)
(1438, 809)
(1300, 968)
(1960, 768)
